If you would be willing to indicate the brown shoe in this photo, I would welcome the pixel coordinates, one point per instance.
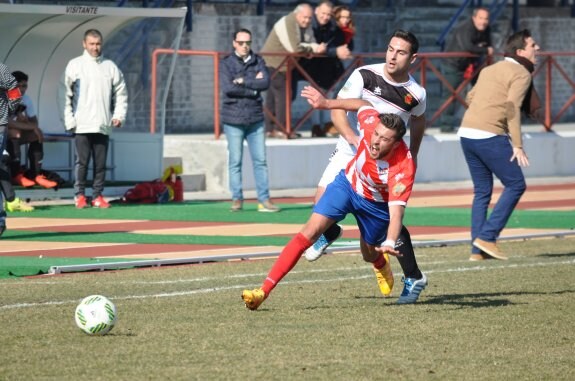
(237, 205)
(489, 248)
(479, 257)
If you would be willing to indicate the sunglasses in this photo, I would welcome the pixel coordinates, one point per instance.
(242, 43)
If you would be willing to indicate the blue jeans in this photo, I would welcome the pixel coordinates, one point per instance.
(485, 158)
(255, 136)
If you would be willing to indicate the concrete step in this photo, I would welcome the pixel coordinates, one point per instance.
(37, 194)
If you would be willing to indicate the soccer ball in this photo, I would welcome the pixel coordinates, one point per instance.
(95, 315)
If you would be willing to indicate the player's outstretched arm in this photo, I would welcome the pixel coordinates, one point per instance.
(316, 100)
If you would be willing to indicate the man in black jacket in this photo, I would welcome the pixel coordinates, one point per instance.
(472, 36)
(243, 76)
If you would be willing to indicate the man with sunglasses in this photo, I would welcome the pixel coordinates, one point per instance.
(243, 76)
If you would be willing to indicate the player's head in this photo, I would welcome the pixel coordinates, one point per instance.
(480, 19)
(242, 42)
(401, 52)
(387, 136)
(523, 45)
(93, 42)
(323, 12)
(303, 14)
(22, 79)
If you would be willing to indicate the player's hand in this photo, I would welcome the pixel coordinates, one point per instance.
(116, 123)
(343, 52)
(321, 48)
(314, 97)
(521, 157)
(389, 250)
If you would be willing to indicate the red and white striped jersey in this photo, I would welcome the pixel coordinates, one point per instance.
(389, 180)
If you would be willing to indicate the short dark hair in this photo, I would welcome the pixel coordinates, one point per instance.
(394, 122)
(329, 3)
(517, 41)
(476, 10)
(409, 37)
(241, 30)
(93, 33)
(20, 76)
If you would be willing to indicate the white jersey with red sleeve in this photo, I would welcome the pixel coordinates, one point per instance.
(389, 180)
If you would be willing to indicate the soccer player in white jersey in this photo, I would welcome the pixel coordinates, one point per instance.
(374, 187)
(390, 89)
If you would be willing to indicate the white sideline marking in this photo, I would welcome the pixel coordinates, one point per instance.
(51, 282)
(216, 289)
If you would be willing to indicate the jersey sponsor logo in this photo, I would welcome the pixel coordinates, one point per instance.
(398, 189)
(408, 99)
(369, 120)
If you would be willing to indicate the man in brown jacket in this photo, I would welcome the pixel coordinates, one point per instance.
(290, 34)
(491, 140)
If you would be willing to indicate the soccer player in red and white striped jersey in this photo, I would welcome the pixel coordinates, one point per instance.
(374, 188)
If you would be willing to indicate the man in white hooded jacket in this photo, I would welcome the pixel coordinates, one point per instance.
(95, 100)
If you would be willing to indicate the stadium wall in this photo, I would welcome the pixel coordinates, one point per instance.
(300, 163)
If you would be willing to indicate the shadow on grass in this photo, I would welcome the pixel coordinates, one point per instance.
(483, 300)
(551, 255)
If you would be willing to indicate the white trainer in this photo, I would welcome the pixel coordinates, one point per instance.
(318, 248)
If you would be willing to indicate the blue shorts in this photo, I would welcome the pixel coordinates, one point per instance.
(340, 199)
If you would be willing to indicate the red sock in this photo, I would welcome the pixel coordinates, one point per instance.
(379, 262)
(288, 258)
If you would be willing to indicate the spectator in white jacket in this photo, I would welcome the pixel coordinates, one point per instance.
(95, 99)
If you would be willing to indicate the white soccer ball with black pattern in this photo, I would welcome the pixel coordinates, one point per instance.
(96, 315)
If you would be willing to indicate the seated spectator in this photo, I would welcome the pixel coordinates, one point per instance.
(23, 129)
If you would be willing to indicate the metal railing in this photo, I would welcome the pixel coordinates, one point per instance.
(424, 67)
